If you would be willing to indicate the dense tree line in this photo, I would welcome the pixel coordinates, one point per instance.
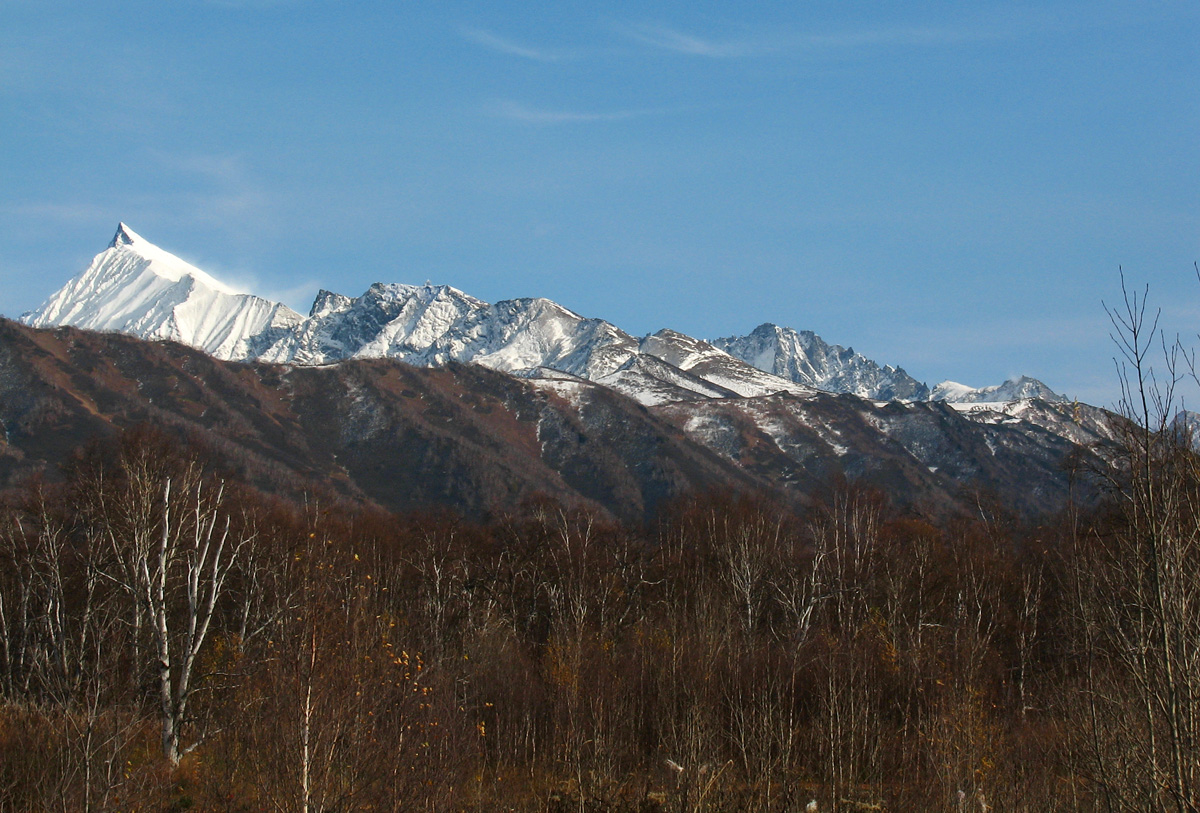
(170, 638)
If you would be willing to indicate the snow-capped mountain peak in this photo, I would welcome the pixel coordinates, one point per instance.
(328, 302)
(160, 262)
(135, 287)
(715, 365)
(1014, 389)
(803, 357)
(125, 236)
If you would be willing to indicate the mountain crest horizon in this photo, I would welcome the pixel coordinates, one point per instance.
(142, 291)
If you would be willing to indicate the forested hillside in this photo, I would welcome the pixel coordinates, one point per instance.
(173, 638)
(477, 441)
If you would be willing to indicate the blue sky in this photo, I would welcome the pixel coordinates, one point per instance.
(949, 187)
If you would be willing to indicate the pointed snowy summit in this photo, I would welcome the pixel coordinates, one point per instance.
(125, 236)
(136, 287)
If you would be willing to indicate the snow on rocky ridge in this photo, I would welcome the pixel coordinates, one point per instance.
(803, 357)
(1015, 389)
(136, 287)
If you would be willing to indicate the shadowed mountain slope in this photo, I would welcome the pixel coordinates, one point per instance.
(478, 440)
(461, 436)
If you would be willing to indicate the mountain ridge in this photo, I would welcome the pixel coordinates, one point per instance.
(136, 287)
(804, 357)
(476, 440)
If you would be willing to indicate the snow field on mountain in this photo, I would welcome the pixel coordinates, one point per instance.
(138, 288)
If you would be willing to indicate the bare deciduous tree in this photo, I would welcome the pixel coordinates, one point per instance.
(174, 544)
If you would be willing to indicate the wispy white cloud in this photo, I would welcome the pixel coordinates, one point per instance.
(516, 111)
(217, 190)
(503, 45)
(911, 36)
(221, 169)
(670, 39)
(757, 43)
(298, 296)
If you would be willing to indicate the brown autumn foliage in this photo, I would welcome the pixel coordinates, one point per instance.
(171, 639)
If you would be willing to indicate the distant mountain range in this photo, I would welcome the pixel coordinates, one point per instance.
(480, 442)
(499, 403)
(137, 288)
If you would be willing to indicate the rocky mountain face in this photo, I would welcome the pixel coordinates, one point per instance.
(480, 441)
(803, 357)
(1016, 389)
(924, 455)
(373, 396)
(434, 325)
(137, 288)
(375, 430)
